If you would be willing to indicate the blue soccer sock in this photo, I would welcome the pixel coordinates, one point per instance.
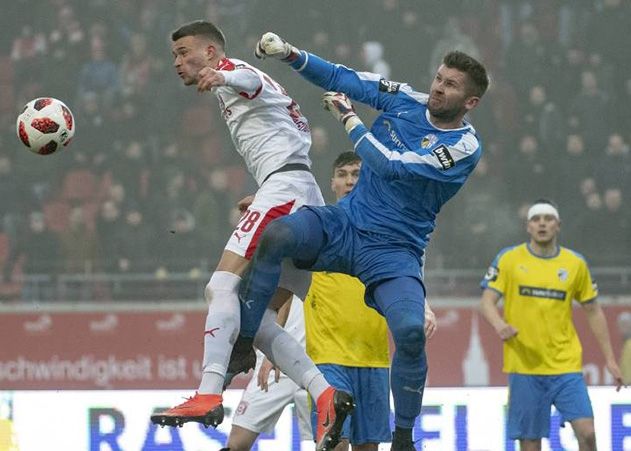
(403, 302)
(298, 236)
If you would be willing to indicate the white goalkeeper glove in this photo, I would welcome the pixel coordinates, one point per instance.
(272, 45)
(341, 108)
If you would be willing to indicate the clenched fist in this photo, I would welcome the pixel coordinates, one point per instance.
(272, 45)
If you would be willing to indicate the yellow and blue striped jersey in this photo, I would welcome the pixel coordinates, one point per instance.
(538, 294)
(340, 328)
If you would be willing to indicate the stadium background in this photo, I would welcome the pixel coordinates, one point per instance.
(107, 293)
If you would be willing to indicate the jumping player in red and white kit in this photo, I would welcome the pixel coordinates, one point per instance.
(273, 137)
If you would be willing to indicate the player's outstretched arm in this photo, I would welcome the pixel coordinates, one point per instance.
(363, 87)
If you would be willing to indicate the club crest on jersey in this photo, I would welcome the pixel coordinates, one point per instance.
(562, 273)
(391, 87)
(428, 141)
(444, 157)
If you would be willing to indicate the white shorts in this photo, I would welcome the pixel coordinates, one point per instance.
(280, 195)
(259, 410)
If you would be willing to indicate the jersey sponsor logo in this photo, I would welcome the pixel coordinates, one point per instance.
(563, 274)
(544, 293)
(428, 141)
(390, 87)
(393, 135)
(444, 157)
(491, 274)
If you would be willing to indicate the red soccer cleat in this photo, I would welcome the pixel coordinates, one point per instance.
(333, 407)
(205, 409)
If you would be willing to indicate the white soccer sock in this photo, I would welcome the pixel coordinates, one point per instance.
(316, 383)
(222, 327)
(289, 355)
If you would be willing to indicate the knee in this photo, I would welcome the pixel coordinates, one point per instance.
(222, 284)
(586, 438)
(409, 338)
(276, 240)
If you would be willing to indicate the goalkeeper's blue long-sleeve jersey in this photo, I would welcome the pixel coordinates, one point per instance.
(410, 168)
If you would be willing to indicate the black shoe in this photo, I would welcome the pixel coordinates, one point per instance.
(242, 359)
(402, 442)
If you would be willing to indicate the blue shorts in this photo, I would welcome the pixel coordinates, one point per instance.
(370, 387)
(531, 398)
(369, 257)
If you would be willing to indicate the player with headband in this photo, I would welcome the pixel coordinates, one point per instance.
(539, 280)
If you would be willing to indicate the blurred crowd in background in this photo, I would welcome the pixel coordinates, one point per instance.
(150, 182)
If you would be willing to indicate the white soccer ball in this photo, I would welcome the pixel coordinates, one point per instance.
(45, 125)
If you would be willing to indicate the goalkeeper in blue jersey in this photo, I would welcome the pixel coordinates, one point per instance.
(416, 156)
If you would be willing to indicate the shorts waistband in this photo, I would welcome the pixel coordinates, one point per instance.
(287, 168)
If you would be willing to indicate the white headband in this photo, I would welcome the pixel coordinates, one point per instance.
(542, 209)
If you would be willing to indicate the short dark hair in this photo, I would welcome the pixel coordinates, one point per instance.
(200, 28)
(348, 157)
(478, 78)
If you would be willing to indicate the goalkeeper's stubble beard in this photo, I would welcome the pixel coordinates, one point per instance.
(446, 114)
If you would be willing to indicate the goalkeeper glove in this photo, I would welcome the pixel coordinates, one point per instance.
(272, 45)
(341, 108)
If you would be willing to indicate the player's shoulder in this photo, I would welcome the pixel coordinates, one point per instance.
(401, 94)
(509, 252)
(230, 64)
(502, 263)
(463, 140)
(407, 90)
(570, 254)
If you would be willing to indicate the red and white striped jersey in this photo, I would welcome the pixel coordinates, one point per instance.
(266, 125)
